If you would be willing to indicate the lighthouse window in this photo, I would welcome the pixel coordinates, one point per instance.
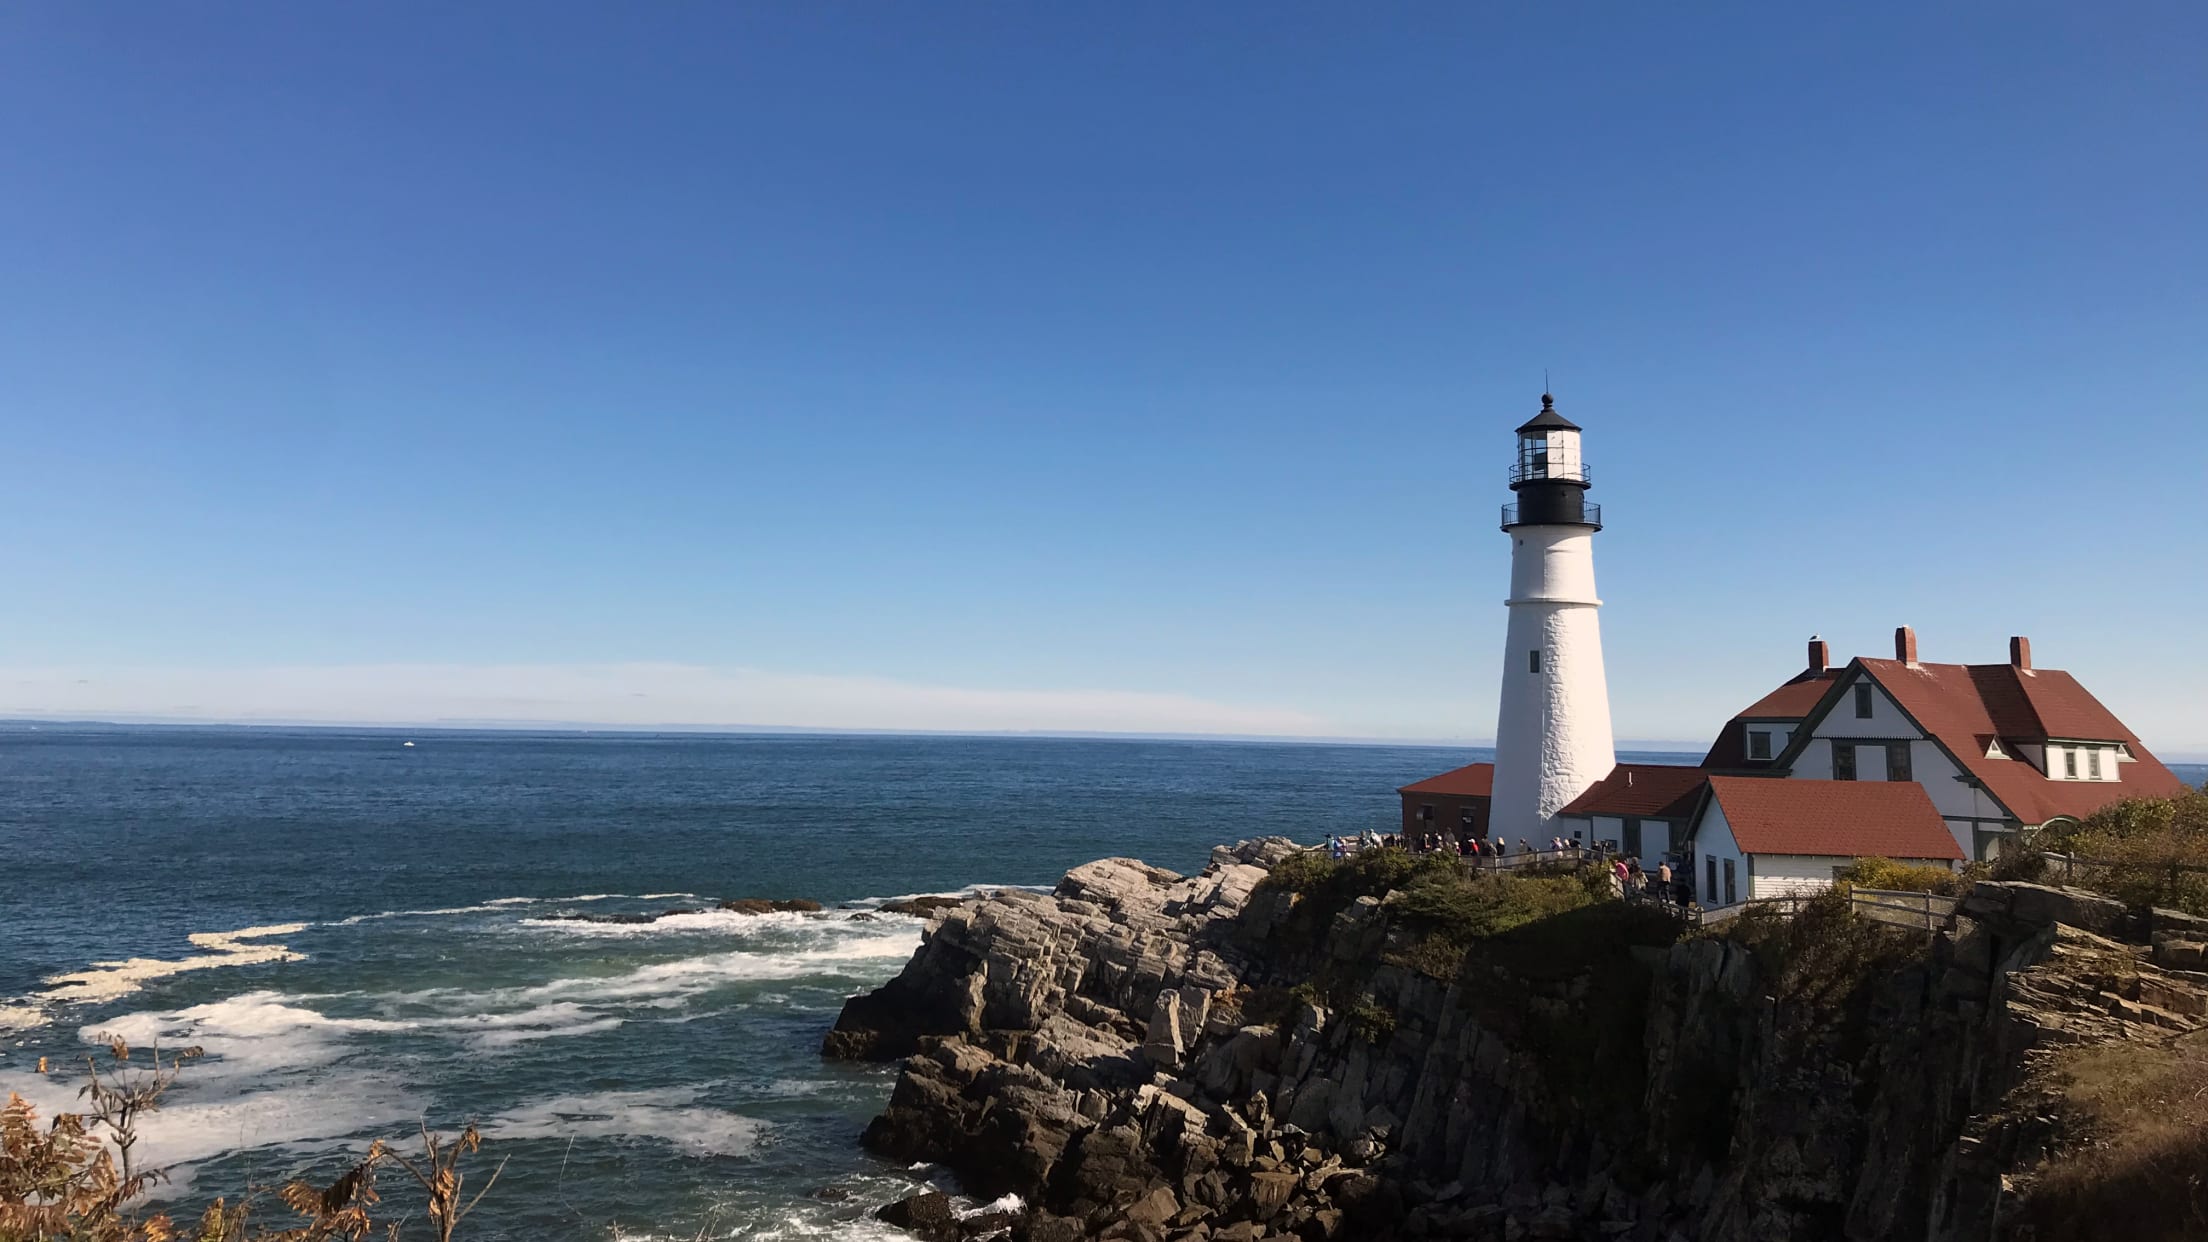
(1533, 660)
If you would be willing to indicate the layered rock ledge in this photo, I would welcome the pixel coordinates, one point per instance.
(1143, 1055)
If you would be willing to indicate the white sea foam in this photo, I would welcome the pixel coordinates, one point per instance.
(21, 1018)
(104, 981)
(971, 890)
(507, 1039)
(670, 1115)
(694, 922)
(1005, 1203)
(690, 976)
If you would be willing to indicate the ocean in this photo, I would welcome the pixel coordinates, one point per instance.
(646, 1080)
(363, 935)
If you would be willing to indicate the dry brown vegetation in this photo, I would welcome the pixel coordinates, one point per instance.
(73, 1178)
(2142, 851)
(2137, 1167)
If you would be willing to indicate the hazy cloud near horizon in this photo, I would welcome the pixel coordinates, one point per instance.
(613, 694)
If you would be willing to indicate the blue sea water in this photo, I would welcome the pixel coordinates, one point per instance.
(654, 1080)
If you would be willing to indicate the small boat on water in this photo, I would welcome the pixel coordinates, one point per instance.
(406, 743)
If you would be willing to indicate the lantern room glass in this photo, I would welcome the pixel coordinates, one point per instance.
(1533, 457)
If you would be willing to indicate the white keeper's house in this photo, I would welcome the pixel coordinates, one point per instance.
(1896, 758)
(1990, 752)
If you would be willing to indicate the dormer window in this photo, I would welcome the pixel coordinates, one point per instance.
(2093, 763)
(1759, 744)
(1993, 749)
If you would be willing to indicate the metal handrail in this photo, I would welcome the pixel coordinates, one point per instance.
(1593, 516)
(1525, 472)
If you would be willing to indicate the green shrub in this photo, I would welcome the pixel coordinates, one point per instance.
(1463, 909)
(1821, 956)
(2138, 850)
(1324, 887)
(1370, 1022)
(1904, 877)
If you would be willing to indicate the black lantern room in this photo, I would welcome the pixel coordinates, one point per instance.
(1549, 476)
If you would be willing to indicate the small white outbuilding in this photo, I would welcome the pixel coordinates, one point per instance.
(1757, 837)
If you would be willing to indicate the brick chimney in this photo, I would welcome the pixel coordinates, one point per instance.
(1820, 654)
(2020, 654)
(1905, 646)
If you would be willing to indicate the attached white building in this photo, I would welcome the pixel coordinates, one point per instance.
(1756, 837)
(2001, 749)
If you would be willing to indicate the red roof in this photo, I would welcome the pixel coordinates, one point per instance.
(1655, 790)
(1962, 705)
(1792, 701)
(1837, 819)
(1473, 780)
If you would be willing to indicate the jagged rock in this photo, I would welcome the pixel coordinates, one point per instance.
(763, 905)
(622, 919)
(928, 1214)
(1269, 1192)
(921, 906)
(1088, 1049)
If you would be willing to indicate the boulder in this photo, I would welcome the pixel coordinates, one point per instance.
(922, 907)
(763, 905)
(928, 1214)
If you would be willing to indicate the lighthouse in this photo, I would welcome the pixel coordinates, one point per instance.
(1552, 734)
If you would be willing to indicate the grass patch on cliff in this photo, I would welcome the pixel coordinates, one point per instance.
(1324, 887)
(1443, 905)
(2138, 1171)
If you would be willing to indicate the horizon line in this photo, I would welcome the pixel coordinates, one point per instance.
(493, 725)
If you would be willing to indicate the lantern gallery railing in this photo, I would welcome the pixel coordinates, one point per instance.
(1588, 515)
(1535, 471)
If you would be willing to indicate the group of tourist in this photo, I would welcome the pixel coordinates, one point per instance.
(1465, 846)
(1634, 882)
(1658, 885)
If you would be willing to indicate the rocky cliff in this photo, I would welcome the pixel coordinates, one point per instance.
(1143, 1055)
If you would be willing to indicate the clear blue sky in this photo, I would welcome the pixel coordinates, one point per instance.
(1086, 366)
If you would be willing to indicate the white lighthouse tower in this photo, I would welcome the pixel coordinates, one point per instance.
(1552, 736)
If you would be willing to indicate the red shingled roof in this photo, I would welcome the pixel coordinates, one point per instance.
(1838, 819)
(1655, 790)
(1473, 780)
(1963, 704)
(1792, 701)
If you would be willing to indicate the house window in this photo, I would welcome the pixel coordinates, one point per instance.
(1897, 762)
(1843, 761)
(2093, 763)
(1731, 894)
(1426, 813)
(1468, 819)
(1863, 701)
(2070, 764)
(1632, 838)
(1533, 660)
(1709, 890)
(1759, 745)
